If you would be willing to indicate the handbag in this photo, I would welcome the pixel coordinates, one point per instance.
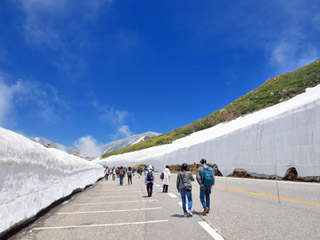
(162, 176)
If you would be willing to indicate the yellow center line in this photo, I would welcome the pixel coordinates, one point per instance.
(267, 195)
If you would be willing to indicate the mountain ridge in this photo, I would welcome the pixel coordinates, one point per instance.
(105, 148)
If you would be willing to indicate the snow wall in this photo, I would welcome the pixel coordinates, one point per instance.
(32, 177)
(286, 135)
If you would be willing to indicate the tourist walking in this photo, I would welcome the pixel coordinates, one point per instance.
(117, 171)
(149, 180)
(206, 180)
(129, 175)
(165, 177)
(114, 172)
(184, 186)
(106, 172)
(121, 175)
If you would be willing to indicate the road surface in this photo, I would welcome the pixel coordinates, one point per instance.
(241, 209)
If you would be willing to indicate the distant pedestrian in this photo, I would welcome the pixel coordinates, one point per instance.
(121, 175)
(184, 186)
(206, 180)
(149, 180)
(114, 172)
(165, 177)
(106, 172)
(129, 174)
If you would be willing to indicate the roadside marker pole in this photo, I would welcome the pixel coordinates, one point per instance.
(275, 167)
(225, 175)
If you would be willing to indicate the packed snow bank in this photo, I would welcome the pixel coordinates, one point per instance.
(285, 135)
(32, 177)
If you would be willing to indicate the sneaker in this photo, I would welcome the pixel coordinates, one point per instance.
(189, 213)
(186, 215)
(205, 212)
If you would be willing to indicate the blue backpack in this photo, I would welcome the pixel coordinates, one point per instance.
(207, 177)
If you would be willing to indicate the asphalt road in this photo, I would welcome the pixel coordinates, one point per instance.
(240, 209)
(111, 211)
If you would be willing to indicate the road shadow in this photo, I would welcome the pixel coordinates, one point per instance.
(178, 216)
(197, 213)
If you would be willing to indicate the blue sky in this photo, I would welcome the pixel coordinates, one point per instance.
(100, 70)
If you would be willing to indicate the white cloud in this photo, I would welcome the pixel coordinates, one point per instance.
(39, 25)
(288, 55)
(88, 147)
(40, 100)
(9, 94)
(296, 44)
(6, 95)
(42, 17)
(122, 132)
(116, 117)
(125, 130)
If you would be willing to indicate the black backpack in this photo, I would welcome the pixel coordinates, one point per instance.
(149, 176)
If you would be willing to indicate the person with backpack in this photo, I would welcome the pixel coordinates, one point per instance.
(206, 180)
(184, 187)
(165, 177)
(129, 175)
(121, 175)
(149, 180)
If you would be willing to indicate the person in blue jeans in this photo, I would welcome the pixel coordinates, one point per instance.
(184, 187)
(121, 175)
(205, 189)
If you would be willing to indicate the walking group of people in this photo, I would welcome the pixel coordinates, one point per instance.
(206, 180)
(204, 176)
(119, 172)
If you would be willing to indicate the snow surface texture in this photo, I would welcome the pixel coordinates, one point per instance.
(285, 135)
(32, 177)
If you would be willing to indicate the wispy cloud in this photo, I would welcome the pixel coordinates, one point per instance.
(59, 29)
(117, 118)
(296, 44)
(7, 94)
(43, 101)
(285, 33)
(288, 55)
(39, 24)
(43, 18)
(122, 131)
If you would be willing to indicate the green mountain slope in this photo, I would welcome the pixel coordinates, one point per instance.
(273, 91)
